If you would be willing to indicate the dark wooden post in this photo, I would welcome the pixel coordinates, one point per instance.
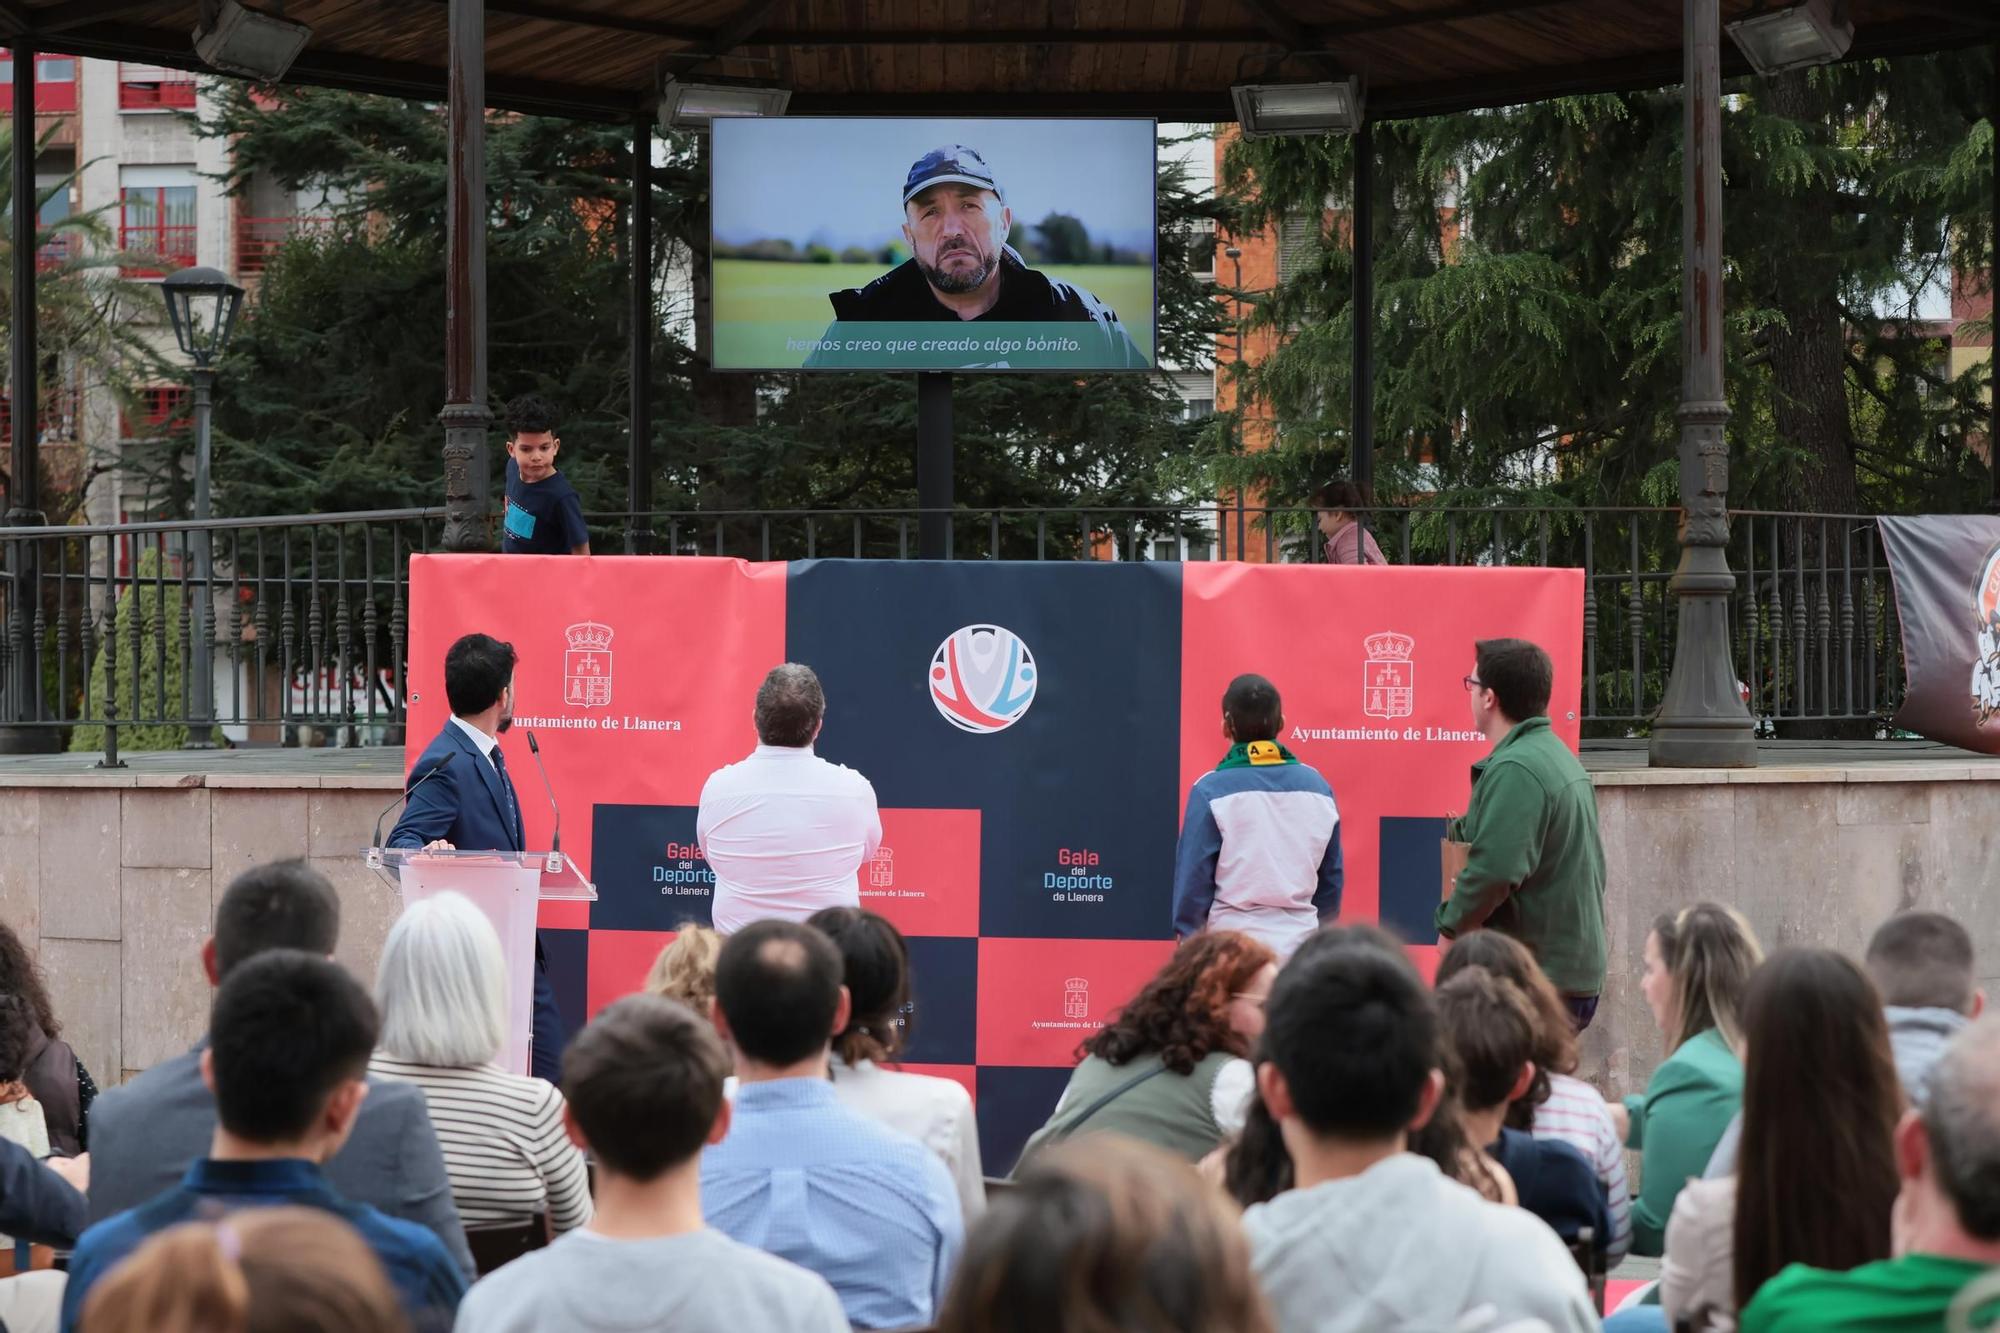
(465, 414)
(23, 678)
(1361, 222)
(639, 448)
(1702, 722)
(934, 464)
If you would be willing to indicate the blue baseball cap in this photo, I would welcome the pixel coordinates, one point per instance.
(951, 164)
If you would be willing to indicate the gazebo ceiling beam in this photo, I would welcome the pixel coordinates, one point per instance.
(76, 13)
(742, 25)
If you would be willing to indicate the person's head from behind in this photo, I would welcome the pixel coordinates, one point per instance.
(791, 706)
(21, 976)
(1698, 963)
(1251, 710)
(442, 985)
(875, 967)
(1511, 682)
(259, 1270)
(1923, 960)
(279, 905)
(479, 679)
(289, 1040)
(685, 969)
(1555, 1035)
(1491, 1027)
(1816, 1173)
(1109, 1234)
(1349, 1047)
(1208, 997)
(779, 997)
(1336, 502)
(533, 436)
(643, 1087)
(1948, 1155)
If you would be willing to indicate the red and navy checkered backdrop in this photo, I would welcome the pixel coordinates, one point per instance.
(1031, 772)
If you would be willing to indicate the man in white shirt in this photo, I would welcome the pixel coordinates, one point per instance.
(785, 831)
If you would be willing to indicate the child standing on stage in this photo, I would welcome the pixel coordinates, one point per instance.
(544, 516)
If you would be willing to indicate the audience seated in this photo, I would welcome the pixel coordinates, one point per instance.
(1491, 1026)
(1922, 964)
(1818, 1171)
(442, 988)
(144, 1134)
(1697, 964)
(936, 1112)
(645, 1094)
(803, 1176)
(271, 1270)
(1945, 1225)
(1195, 1021)
(1559, 1105)
(289, 1036)
(53, 1075)
(1372, 1236)
(685, 969)
(1108, 1234)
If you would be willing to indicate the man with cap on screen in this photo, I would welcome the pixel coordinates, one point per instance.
(956, 220)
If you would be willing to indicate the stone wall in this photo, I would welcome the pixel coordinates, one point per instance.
(1811, 856)
(113, 878)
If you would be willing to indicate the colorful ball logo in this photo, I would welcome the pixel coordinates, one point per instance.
(983, 678)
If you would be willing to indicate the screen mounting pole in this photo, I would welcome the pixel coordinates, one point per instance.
(934, 464)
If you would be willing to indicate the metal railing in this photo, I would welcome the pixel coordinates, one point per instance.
(308, 615)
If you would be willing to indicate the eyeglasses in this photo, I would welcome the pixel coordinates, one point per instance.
(1474, 683)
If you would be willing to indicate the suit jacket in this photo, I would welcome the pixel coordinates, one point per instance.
(35, 1203)
(144, 1135)
(465, 803)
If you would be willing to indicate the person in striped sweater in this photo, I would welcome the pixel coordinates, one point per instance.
(442, 989)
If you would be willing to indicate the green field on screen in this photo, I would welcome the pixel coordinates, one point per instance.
(760, 303)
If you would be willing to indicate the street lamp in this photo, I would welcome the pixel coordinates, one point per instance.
(202, 305)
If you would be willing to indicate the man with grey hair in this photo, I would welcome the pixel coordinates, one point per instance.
(784, 831)
(1945, 1229)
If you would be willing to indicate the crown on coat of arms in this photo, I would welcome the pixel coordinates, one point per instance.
(589, 636)
(1390, 646)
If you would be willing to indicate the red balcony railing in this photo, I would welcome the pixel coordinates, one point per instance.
(257, 239)
(55, 84)
(172, 244)
(57, 251)
(149, 88)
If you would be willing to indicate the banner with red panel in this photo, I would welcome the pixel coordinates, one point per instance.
(1031, 731)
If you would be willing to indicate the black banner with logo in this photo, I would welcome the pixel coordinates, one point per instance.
(1947, 573)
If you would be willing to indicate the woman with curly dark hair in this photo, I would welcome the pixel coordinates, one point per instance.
(53, 1074)
(1171, 1069)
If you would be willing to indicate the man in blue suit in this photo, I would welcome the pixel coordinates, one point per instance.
(459, 796)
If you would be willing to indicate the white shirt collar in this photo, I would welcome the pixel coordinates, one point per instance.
(782, 751)
(479, 738)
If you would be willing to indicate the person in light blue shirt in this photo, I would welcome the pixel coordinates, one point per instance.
(287, 1061)
(800, 1175)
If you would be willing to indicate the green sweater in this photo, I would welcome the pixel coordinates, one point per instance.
(1692, 1097)
(1906, 1295)
(1536, 867)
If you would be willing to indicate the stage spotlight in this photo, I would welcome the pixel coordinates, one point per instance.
(238, 40)
(692, 106)
(1812, 32)
(1264, 110)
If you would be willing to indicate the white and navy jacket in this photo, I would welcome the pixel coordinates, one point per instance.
(1259, 851)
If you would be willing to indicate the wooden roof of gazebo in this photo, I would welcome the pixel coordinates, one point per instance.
(1175, 59)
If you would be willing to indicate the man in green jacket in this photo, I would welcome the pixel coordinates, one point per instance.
(1535, 869)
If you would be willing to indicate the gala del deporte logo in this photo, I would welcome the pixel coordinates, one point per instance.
(983, 678)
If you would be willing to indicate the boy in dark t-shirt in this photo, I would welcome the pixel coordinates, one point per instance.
(544, 516)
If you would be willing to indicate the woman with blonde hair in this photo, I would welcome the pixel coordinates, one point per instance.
(261, 1270)
(1698, 966)
(685, 969)
(442, 990)
(1109, 1234)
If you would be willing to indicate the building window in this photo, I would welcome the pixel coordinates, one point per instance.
(156, 225)
(55, 82)
(1298, 238)
(1195, 409)
(162, 410)
(152, 88)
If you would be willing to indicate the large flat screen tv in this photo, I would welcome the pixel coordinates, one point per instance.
(929, 244)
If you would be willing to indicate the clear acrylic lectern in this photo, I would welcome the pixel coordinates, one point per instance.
(507, 887)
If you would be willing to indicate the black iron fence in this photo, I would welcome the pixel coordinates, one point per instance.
(306, 618)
